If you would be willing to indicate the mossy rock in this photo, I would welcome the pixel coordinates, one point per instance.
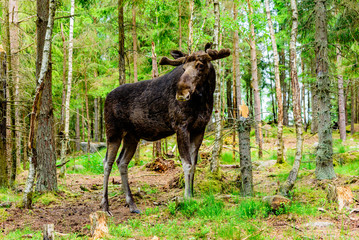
(344, 158)
(208, 182)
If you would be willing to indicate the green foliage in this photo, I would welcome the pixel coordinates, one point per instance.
(251, 209)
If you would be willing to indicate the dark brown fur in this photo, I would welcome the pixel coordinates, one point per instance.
(179, 102)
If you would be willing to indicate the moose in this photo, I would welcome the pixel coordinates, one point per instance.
(180, 102)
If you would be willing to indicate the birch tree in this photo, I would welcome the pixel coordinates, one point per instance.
(68, 92)
(280, 145)
(217, 145)
(254, 70)
(289, 183)
(190, 27)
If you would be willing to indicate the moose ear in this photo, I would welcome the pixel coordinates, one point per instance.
(208, 46)
(177, 54)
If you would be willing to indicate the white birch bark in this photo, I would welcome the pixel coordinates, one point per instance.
(280, 144)
(289, 183)
(65, 141)
(254, 70)
(217, 144)
(190, 27)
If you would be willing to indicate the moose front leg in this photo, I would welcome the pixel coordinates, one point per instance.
(184, 148)
(196, 139)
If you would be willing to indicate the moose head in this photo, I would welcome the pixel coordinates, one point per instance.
(196, 68)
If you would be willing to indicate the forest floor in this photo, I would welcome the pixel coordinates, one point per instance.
(217, 212)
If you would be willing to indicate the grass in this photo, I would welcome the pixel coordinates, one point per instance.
(205, 217)
(208, 216)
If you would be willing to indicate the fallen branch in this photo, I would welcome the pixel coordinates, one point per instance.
(229, 166)
(62, 164)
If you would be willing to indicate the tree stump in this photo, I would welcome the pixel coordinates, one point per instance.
(49, 232)
(99, 227)
(341, 195)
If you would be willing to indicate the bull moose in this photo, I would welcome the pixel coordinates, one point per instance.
(179, 102)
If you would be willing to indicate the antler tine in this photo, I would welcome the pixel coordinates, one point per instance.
(176, 62)
(214, 54)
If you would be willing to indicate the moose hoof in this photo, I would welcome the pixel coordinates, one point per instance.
(135, 210)
(109, 213)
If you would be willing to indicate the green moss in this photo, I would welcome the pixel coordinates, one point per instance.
(345, 158)
(3, 215)
(47, 198)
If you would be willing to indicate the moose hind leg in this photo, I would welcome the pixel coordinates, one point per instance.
(112, 149)
(127, 152)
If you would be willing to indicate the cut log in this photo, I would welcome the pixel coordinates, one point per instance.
(161, 165)
(49, 232)
(341, 195)
(99, 227)
(277, 201)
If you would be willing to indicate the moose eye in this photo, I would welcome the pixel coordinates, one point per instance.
(200, 66)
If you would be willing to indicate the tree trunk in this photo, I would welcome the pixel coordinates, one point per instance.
(324, 160)
(134, 40)
(314, 125)
(77, 129)
(217, 145)
(236, 71)
(341, 102)
(10, 106)
(289, 183)
(156, 145)
(305, 122)
(65, 142)
(283, 87)
(3, 163)
(236, 79)
(102, 131)
(45, 139)
(63, 79)
(87, 116)
(83, 122)
(352, 121)
(96, 117)
(47, 175)
(229, 101)
(190, 27)
(14, 45)
(121, 44)
(254, 70)
(180, 24)
(244, 130)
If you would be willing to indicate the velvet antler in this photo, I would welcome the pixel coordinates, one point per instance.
(214, 54)
(176, 62)
(177, 54)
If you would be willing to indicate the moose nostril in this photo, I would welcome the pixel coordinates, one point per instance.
(181, 97)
